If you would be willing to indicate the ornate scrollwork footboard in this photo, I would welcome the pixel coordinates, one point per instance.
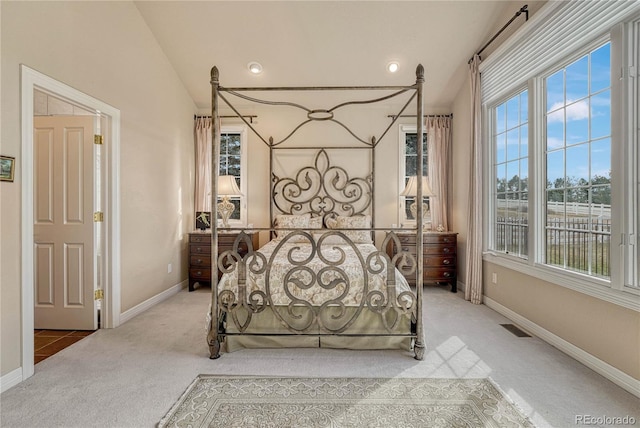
(314, 284)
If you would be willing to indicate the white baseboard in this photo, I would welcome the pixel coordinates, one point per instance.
(615, 375)
(149, 303)
(11, 379)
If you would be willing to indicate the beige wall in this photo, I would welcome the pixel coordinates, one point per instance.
(103, 49)
(604, 330)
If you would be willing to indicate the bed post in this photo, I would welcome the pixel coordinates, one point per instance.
(419, 346)
(212, 339)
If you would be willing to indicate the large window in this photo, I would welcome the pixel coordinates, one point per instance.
(409, 167)
(578, 164)
(563, 158)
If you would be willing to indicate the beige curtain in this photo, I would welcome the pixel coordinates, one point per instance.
(439, 141)
(473, 286)
(203, 144)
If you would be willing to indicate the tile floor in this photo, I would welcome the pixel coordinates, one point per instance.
(49, 342)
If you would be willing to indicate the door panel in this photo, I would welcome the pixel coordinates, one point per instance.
(64, 228)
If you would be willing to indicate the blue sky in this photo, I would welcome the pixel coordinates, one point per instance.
(573, 95)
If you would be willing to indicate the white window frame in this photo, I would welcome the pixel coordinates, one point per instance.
(403, 130)
(491, 206)
(516, 65)
(243, 132)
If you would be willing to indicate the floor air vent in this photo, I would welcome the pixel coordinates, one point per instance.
(515, 330)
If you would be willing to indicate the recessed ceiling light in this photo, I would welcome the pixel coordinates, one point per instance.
(254, 67)
(393, 67)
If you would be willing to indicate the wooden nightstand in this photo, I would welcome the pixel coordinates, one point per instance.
(438, 254)
(200, 253)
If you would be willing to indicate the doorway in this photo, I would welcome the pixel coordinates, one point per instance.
(102, 250)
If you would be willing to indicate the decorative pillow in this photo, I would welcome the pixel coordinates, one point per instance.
(355, 222)
(329, 240)
(331, 222)
(284, 221)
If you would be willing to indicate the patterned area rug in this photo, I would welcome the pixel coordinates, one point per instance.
(216, 401)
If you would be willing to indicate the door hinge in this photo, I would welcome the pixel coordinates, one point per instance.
(98, 217)
(98, 139)
(98, 294)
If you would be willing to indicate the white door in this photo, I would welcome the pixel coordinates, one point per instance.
(63, 223)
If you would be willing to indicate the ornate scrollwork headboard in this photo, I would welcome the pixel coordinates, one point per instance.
(322, 190)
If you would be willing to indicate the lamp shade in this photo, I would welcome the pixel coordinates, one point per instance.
(227, 186)
(412, 187)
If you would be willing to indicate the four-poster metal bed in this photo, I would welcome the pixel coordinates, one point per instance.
(324, 284)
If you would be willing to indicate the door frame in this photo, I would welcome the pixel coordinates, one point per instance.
(110, 313)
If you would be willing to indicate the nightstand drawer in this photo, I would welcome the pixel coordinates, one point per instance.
(430, 249)
(200, 249)
(203, 238)
(439, 275)
(200, 260)
(203, 274)
(437, 238)
(444, 261)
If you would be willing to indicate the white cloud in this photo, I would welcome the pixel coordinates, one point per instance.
(576, 111)
(554, 143)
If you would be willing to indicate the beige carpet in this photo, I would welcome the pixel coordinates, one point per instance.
(233, 401)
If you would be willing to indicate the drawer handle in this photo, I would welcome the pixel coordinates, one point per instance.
(446, 262)
(447, 274)
(405, 250)
(198, 261)
(446, 249)
(447, 239)
(199, 272)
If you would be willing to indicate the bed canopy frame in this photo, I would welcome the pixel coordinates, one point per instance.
(285, 192)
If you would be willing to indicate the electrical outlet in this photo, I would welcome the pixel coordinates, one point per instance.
(494, 278)
(169, 268)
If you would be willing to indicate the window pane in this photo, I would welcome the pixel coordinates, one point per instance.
(524, 107)
(501, 119)
(555, 91)
(577, 79)
(513, 144)
(555, 132)
(601, 161)
(601, 115)
(524, 141)
(410, 166)
(578, 164)
(601, 68)
(513, 176)
(513, 112)
(555, 169)
(501, 147)
(577, 122)
(524, 174)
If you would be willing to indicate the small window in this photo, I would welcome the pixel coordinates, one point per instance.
(408, 168)
(232, 162)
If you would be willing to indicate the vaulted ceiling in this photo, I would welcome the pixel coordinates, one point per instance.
(318, 43)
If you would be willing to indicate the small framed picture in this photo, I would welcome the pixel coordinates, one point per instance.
(7, 166)
(203, 220)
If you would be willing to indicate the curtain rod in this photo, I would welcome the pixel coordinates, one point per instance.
(250, 116)
(523, 9)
